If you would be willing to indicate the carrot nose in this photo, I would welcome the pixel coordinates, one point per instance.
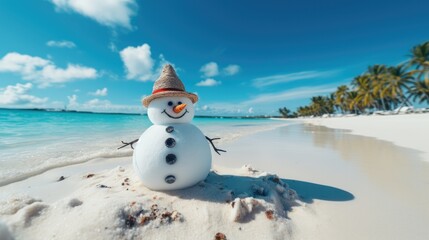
(179, 108)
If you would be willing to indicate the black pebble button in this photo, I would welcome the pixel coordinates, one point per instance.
(170, 142)
(169, 129)
(170, 179)
(171, 159)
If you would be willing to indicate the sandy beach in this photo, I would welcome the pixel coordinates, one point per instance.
(214, 120)
(404, 130)
(293, 181)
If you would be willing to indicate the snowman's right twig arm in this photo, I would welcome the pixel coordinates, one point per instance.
(217, 150)
(128, 143)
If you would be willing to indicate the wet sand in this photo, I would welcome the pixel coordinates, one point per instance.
(356, 187)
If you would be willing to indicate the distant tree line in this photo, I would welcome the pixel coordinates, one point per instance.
(379, 88)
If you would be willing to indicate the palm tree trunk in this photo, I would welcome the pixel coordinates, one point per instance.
(427, 77)
(382, 100)
(404, 101)
(376, 105)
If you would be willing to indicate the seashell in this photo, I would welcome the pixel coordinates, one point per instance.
(269, 214)
(220, 236)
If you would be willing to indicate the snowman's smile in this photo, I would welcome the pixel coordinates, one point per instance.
(174, 116)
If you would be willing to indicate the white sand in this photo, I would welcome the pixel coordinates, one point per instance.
(346, 187)
(407, 130)
(355, 187)
(111, 203)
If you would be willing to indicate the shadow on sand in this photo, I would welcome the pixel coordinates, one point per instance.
(275, 194)
(308, 191)
(225, 188)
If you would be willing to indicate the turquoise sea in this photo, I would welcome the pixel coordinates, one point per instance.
(33, 141)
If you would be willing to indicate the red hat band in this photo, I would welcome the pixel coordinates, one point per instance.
(166, 90)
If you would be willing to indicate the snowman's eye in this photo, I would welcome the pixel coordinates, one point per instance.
(179, 103)
(170, 103)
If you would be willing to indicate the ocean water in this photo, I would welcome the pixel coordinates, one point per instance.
(34, 141)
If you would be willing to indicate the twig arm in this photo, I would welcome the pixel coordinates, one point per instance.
(217, 150)
(128, 143)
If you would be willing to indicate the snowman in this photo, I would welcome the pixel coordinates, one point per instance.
(172, 153)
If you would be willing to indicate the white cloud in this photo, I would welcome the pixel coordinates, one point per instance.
(97, 103)
(290, 77)
(43, 71)
(112, 47)
(250, 110)
(17, 94)
(231, 69)
(16, 62)
(72, 100)
(108, 74)
(61, 44)
(53, 74)
(222, 109)
(110, 13)
(100, 92)
(138, 62)
(210, 69)
(296, 93)
(209, 82)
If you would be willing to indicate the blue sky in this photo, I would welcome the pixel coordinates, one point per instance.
(241, 59)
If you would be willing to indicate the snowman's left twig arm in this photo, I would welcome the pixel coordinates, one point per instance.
(128, 143)
(217, 150)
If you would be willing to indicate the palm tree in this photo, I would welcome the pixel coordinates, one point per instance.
(365, 94)
(315, 106)
(330, 103)
(420, 59)
(377, 77)
(340, 97)
(397, 80)
(352, 103)
(300, 111)
(304, 111)
(419, 90)
(379, 87)
(322, 105)
(284, 112)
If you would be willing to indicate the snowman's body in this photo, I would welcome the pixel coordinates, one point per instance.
(172, 153)
(172, 156)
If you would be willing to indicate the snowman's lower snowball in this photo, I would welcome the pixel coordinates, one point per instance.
(167, 160)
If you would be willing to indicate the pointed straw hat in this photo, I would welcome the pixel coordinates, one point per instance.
(168, 85)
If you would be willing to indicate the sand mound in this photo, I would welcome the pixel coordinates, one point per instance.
(115, 205)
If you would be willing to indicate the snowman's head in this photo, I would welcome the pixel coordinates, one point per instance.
(165, 110)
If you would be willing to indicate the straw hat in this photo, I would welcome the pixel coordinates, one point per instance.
(168, 85)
